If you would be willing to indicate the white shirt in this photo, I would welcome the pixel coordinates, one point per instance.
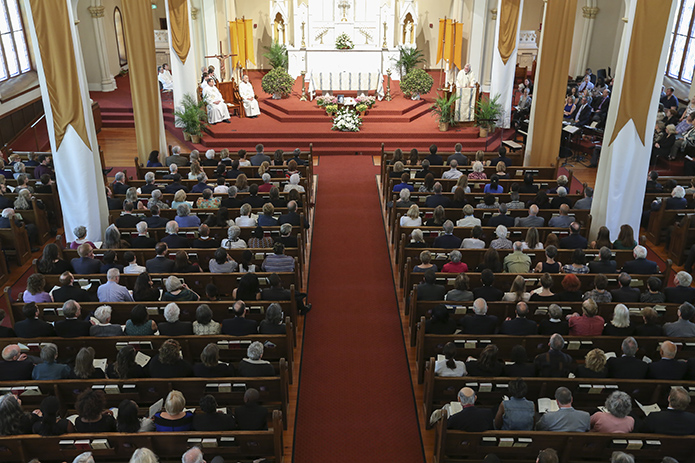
(134, 269)
(238, 244)
(464, 79)
(440, 369)
(472, 243)
(452, 173)
(408, 222)
(245, 221)
(221, 189)
(468, 222)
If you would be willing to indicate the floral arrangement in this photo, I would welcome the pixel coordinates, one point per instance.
(361, 108)
(277, 81)
(416, 81)
(325, 100)
(367, 100)
(344, 42)
(347, 120)
(332, 108)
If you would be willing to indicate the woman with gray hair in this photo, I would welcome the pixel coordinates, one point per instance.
(455, 265)
(294, 184)
(502, 242)
(616, 419)
(23, 201)
(233, 241)
(131, 195)
(204, 324)
(417, 240)
(112, 239)
(49, 369)
(677, 199)
(104, 327)
(273, 323)
(80, 233)
(156, 200)
(19, 169)
(178, 291)
(254, 365)
(245, 219)
(620, 324)
(184, 217)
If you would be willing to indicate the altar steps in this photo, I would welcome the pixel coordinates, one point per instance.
(381, 112)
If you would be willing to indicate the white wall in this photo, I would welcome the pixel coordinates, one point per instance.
(608, 29)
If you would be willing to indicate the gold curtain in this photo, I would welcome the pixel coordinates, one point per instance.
(551, 81)
(458, 44)
(52, 23)
(144, 87)
(180, 31)
(241, 38)
(651, 20)
(248, 35)
(450, 42)
(509, 23)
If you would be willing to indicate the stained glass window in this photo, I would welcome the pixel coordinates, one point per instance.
(14, 54)
(681, 60)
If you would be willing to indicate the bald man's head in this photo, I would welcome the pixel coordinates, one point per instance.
(668, 350)
(467, 396)
(11, 352)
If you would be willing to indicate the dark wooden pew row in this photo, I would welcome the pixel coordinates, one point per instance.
(682, 239)
(524, 446)
(516, 172)
(232, 445)
(429, 345)
(279, 182)
(15, 242)
(661, 219)
(51, 200)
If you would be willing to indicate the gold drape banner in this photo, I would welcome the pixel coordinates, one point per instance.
(509, 23)
(144, 87)
(450, 41)
(241, 38)
(180, 31)
(440, 43)
(458, 44)
(60, 67)
(651, 20)
(551, 81)
(248, 36)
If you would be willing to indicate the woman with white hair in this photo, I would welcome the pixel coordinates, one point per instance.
(404, 198)
(502, 242)
(253, 365)
(80, 233)
(233, 241)
(677, 199)
(620, 324)
(143, 455)
(417, 240)
(174, 418)
(412, 217)
(294, 184)
(104, 327)
(173, 326)
(184, 217)
(177, 290)
(246, 218)
(266, 186)
(23, 201)
(478, 172)
(210, 158)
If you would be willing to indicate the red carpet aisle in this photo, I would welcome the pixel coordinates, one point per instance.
(355, 396)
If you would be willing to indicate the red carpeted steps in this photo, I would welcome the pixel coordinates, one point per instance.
(355, 400)
(117, 117)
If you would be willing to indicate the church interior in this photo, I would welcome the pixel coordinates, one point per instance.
(501, 193)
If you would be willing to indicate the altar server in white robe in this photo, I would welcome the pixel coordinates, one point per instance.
(217, 108)
(165, 79)
(465, 91)
(248, 95)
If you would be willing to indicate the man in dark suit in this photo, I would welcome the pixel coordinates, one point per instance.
(149, 185)
(142, 241)
(119, 187)
(574, 240)
(428, 290)
(625, 293)
(437, 199)
(502, 157)
(295, 157)
(173, 239)
(160, 263)
(520, 326)
(675, 420)
(15, 365)
(204, 241)
(32, 327)
(72, 326)
(231, 202)
(86, 263)
(173, 326)
(682, 292)
(127, 219)
(480, 322)
(5, 202)
(640, 266)
(502, 218)
(155, 221)
(173, 170)
(276, 292)
(554, 363)
(627, 366)
(258, 158)
(239, 325)
(5, 331)
(253, 199)
(292, 217)
(251, 416)
(605, 265)
(487, 291)
(601, 108)
(112, 203)
(425, 169)
(447, 240)
(471, 418)
(433, 157)
(286, 237)
(176, 158)
(668, 367)
(175, 185)
(582, 114)
(458, 156)
(69, 290)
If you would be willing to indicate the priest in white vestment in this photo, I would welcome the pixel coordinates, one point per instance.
(164, 77)
(465, 91)
(217, 108)
(249, 96)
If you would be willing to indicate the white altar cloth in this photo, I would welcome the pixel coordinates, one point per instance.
(346, 81)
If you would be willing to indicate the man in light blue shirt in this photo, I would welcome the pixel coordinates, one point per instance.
(111, 291)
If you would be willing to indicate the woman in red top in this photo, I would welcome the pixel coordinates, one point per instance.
(455, 266)
(587, 324)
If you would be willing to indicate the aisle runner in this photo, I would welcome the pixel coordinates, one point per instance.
(355, 397)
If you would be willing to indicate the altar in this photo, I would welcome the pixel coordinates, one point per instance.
(359, 82)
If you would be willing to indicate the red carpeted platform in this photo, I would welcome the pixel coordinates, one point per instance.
(355, 396)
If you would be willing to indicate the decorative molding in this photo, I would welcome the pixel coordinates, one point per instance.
(624, 20)
(194, 13)
(590, 12)
(96, 11)
(494, 14)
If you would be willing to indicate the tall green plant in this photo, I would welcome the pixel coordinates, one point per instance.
(488, 112)
(408, 59)
(277, 55)
(192, 115)
(443, 108)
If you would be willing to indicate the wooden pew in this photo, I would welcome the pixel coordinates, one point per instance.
(232, 445)
(517, 172)
(15, 241)
(661, 219)
(682, 239)
(38, 217)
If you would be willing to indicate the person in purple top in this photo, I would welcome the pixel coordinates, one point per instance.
(44, 167)
(36, 291)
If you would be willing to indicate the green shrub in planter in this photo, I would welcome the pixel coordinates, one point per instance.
(277, 81)
(415, 82)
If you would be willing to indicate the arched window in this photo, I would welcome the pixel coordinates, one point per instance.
(15, 55)
(681, 60)
(120, 37)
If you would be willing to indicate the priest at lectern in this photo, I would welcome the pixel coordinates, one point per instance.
(465, 91)
(249, 96)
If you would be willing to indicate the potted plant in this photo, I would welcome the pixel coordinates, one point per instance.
(416, 82)
(487, 113)
(408, 59)
(277, 55)
(331, 109)
(193, 117)
(361, 108)
(277, 83)
(443, 108)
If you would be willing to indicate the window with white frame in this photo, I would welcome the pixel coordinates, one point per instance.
(15, 54)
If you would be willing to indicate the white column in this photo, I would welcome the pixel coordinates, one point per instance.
(503, 74)
(589, 13)
(486, 73)
(186, 75)
(456, 10)
(108, 83)
(77, 166)
(476, 44)
(622, 170)
(209, 29)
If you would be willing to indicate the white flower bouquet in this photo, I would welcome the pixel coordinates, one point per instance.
(344, 42)
(347, 120)
(367, 100)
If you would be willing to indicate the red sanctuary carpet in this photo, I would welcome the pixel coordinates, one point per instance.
(355, 400)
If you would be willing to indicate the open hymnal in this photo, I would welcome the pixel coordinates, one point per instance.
(156, 407)
(454, 408)
(142, 359)
(547, 405)
(99, 363)
(647, 409)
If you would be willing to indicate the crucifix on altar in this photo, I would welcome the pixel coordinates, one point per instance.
(222, 58)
